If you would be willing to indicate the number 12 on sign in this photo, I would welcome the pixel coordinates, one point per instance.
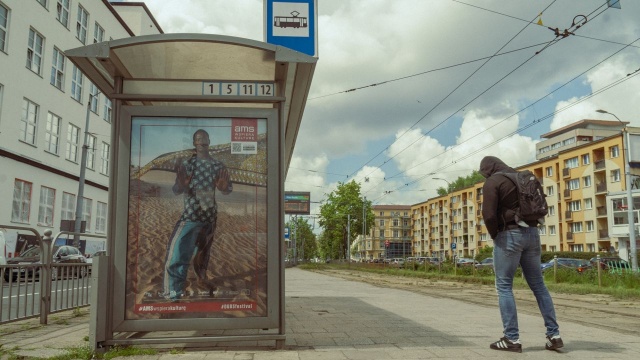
(239, 88)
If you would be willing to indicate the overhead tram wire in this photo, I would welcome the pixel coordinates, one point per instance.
(532, 104)
(527, 126)
(554, 41)
(462, 83)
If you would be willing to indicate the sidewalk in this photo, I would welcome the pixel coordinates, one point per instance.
(331, 318)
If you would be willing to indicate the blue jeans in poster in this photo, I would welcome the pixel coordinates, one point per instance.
(189, 241)
(515, 247)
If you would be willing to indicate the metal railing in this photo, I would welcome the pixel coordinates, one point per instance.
(43, 288)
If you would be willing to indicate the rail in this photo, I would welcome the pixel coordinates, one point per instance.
(30, 290)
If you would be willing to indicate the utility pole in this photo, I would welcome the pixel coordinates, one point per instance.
(83, 169)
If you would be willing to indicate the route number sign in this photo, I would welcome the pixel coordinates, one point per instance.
(235, 88)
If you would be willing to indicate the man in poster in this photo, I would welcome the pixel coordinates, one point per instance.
(197, 178)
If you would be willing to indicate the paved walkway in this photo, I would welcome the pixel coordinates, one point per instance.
(331, 318)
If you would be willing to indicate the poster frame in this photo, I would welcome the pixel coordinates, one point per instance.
(118, 242)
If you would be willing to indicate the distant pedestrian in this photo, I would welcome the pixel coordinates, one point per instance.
(513, 245)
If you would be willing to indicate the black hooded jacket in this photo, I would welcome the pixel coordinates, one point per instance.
(499, 194)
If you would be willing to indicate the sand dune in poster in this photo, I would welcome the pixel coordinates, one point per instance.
(238, 265)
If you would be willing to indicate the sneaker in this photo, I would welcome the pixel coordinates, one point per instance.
(507, 345)
(554, 342)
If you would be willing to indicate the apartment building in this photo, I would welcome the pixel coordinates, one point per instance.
(49, 111)
(390, 235)
(586, 191)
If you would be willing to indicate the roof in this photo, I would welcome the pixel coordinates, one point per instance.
(585, 124)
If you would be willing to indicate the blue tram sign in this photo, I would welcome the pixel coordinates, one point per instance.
(293, 24)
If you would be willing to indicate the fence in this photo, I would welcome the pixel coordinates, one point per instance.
(38, 289)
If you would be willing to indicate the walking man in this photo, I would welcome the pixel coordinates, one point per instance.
(513, 245)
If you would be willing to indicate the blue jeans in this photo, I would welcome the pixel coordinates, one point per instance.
(515, 247)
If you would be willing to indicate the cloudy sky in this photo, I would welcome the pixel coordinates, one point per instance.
(438, 84)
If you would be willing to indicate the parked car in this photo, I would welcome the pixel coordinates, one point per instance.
(466, 261)
(397, 262)
(579, 264)
(486, 263)
(28, 264)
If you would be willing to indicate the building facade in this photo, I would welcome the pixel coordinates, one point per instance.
(390, 234)
(584, 181)
(50, 113)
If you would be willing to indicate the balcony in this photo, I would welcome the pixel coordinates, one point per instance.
(601, 211)
(601, 187)
(566, 172)
(567, 215)
(569, 237)
(567, 193)
(478, 228)
(603, 234)
(599, 165)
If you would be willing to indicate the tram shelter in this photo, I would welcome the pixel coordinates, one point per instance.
(248, 97)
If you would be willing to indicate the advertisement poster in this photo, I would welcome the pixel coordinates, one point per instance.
(197, 222)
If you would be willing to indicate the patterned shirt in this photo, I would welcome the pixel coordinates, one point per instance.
(200, 200)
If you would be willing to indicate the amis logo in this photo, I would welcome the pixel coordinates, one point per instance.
(244, 129)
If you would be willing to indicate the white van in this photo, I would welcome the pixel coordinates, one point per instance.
(7, 245)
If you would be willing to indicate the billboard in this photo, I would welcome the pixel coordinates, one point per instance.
(196, 234)
(297, 203)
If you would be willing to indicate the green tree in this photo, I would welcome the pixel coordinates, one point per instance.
(461, 183)
(305, 240)
(341, 205)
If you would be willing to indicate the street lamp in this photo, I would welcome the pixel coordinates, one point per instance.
(632, 229)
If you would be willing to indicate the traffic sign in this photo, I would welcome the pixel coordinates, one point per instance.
(453, 246)
(293, 24)
(286, 232)
(386, 243)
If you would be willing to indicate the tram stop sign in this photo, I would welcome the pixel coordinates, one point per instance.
(453, 246)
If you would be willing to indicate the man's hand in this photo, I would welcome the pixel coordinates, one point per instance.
(182, 176)
(223, 180)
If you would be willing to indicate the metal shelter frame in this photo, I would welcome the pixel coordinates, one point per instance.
(173, 73)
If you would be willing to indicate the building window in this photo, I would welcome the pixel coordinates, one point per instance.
(396, 234)
(108, 108)
(552, 210)
(615, 175)
(555, 146)
(35, 48)
(542, 230)
(552, 229)
(586, 159)
(381, 236)
(98, 33)
(550, 190)
(21, 201)
(568, 141)
(63, 12)
(588, 203)
(586, 181)
(590, 227)
(381, 222)
(4, 27)
(57, 69)
(94, 98)
(614, 151)
(76, 84)
(104, 168)
(87, 204)
(396, 222)
(82, 24)
(29, 122)
(73, 134)
(571, 163)
(45, 212)
(576, 227)
(549, 171)
(575, 205)
(68, 211)
(573, 184)
(101, 218)
(91, 151)
(43, 3)
(52, 135)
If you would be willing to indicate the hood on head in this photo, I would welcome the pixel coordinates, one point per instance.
(491, 165)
